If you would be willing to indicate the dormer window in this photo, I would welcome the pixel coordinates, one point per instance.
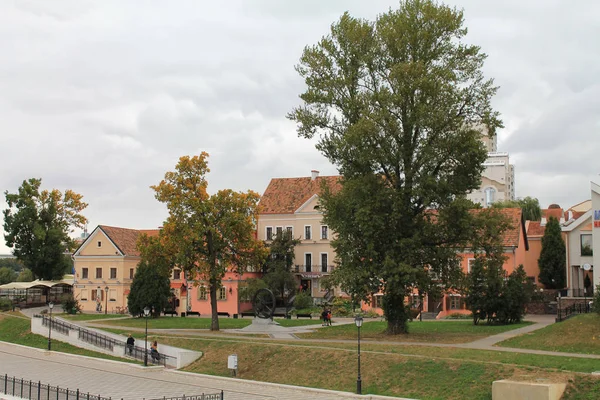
(99, 243)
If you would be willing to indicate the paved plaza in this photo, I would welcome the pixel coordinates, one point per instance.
(120, 380)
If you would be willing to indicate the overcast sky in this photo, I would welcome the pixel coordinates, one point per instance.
(103, 97)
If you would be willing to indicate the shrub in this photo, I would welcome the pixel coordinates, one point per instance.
(5, 305)
(371, 314)
(303, 300)
(459, 316)
(596, 303)
(70, 304)
(341, 307)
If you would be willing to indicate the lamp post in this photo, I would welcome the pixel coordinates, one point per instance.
(106, 300)
(50, 306)
(358, 320)
(146, 313)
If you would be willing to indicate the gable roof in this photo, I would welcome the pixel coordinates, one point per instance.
(126, 239)
(517, 227)
(535, 228)
(286, 195)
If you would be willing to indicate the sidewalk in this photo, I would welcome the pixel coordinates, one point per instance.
(132, 382)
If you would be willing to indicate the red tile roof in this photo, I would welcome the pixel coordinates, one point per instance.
(535, 228)
(286, 195)
(126, 239)
(557, 213)
(517, 226)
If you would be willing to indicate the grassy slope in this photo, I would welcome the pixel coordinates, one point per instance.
(384, 374)
(17, 330)
(178, 323)
(89, 317)
(432, 332)
(580, 334)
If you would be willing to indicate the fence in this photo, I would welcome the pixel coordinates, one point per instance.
(105, 342)
(18, 387)
(216, 396)
(31, 390)
(573, 309)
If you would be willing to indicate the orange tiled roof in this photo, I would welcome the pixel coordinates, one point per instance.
(535, 228)
(126, 239)
(557, 213)
(286, 195)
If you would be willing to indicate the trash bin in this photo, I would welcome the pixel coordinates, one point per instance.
(235, 316)
(182, 314)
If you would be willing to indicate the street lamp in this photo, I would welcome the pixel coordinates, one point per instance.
(358, 320)
(146, 313)
(106, 301)
(50, 306)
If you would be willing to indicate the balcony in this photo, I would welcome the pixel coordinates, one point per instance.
(313, 270)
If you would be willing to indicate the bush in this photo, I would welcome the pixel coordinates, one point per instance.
(303, 300)
(5, 305)
(459, 316)
(341, 307)
(371, 314)
(596, 300)
(70, 305)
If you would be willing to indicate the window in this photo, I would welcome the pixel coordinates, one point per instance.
(490, 195)
(113, 273)
(202, 293)
(586, 245)
(177, 274)
(98, 273)
(84, 295)
(324, 232)
(323, 262)
(279, 231)
(222, 295)
(112, 295)
(308, 261)
(269, 234)
(289, 230)
(130, 273)
(455, 302)
(376, 301)
(99, 243)
(84, 273)
(97, 294)
(470, 264)
(307, 232)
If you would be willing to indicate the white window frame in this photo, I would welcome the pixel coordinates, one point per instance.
(309, 230)
(278, 229)
(321, 260)
(222, 294)
(84, 295)
(469, 262)
(327, 232)
(311, 260)
(267, 232)
(202, 289)
(290, 229)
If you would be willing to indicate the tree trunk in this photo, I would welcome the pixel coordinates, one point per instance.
(395, 311)
(214, 323)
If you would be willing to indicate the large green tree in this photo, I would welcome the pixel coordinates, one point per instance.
(530, 206)
(209, 234)
(398, 105)
(7, 275)
(278, 276)
(37, 224)
(552, 261)
(11, 263)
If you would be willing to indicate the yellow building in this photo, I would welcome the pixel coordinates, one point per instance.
(105, 264)
(292, 204)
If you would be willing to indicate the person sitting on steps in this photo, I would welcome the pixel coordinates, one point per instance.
(154, 352)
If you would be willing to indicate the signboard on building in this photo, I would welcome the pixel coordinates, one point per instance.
(596, 218)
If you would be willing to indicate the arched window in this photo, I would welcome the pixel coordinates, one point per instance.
(490, 196)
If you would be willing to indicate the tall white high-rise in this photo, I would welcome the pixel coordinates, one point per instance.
(498, 177)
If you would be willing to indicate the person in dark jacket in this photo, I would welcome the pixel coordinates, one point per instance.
(130, 344)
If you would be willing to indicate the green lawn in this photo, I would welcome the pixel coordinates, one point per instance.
(297, 322)
(17, 330)
(429, 331)
(178, 323)
(429, 377)
(90, 317)
(580, 334)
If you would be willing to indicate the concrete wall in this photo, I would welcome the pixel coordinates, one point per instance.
(182, 357)
(596, 231)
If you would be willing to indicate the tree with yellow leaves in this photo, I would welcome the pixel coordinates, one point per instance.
(208, 234)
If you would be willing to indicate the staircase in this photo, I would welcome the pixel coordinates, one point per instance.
(428, 315)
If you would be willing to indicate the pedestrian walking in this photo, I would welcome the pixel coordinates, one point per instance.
(130, 344)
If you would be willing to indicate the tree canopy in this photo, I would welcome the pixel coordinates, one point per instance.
(552, 261)
(278, 272)
(208, 234)
(530, 206)
(398, 105)
(7, 275)
(37, 225)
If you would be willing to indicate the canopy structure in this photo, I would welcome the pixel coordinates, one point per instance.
(37, 292)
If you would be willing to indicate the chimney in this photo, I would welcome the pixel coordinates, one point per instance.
(314, 174)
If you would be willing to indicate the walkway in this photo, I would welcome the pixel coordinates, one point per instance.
(120, 380)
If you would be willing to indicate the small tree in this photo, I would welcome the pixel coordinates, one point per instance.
(7, 275)
(70, 304)
(279, 277)
(517, 293)
(530, 206)
(552, 259)
(25, 276)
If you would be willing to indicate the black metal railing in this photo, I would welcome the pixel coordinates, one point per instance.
(324, 269)
(107, 342)
(57, 325)
(31, 390)
(215, 396)
(572, 310)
